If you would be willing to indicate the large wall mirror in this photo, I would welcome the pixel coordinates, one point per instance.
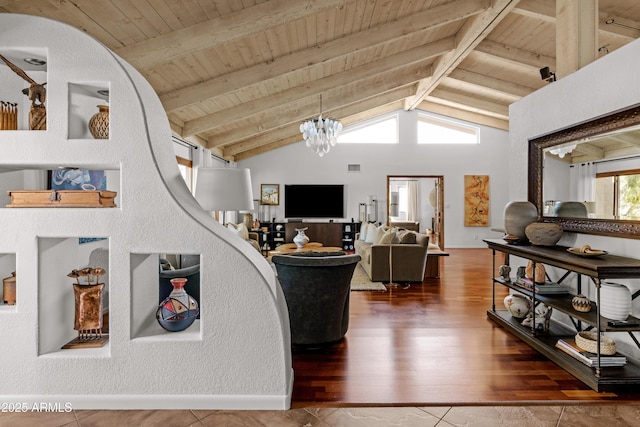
(596, 163)
(416, 202)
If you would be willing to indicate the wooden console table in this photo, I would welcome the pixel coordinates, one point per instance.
(596, 268)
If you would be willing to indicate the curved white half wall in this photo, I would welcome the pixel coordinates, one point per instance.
(237, 356)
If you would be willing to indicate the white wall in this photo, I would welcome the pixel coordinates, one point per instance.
(602, 87)
(296, 164)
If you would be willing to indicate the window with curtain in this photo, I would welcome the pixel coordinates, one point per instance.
(618, 195)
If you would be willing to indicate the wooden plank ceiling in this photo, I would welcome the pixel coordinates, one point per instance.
(239, 76)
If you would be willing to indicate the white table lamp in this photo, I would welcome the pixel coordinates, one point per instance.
(224, 189)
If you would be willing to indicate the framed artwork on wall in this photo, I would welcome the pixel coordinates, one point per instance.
(476, 200)
(269, 194)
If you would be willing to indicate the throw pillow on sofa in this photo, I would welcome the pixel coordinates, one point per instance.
(372, 233)
(389, 237)
(406, 237)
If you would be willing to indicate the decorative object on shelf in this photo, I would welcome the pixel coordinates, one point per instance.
(9, 289)
(587, 341)
(476, 200)
(270, 194)
(88, 319)
(581, 303)
(37, 94)
(301, 239)
(8, 116)
(539, 276)
(179, 310)
(571, 210)
(321, 134)
(99, 123)
(505, 272)
(78, 179)
(615, 301)
(521, 272)
(586, 251)
(279, 227)
(61, 199)
(543, 233)
(517, 215)
(517, 305)
(542, 318)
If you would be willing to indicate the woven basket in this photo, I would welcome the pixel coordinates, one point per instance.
(587, 342)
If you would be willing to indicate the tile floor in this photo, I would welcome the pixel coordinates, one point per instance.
(489, 416)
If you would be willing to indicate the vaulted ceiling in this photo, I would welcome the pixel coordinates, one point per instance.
(239, 76)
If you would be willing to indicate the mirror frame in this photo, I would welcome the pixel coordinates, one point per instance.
(604, 227)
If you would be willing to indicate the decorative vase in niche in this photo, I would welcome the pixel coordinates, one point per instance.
(9, 289)
(543, 233)
(99, 123)
(517, 215)
(301, 239)
(615, 301)
(179, 310)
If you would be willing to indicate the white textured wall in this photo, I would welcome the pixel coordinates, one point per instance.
(240, 356)
(296, 164)
(602, 87)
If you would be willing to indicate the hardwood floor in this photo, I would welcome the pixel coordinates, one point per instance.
(432, 344)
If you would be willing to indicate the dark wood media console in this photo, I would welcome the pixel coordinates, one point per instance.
(327, 233)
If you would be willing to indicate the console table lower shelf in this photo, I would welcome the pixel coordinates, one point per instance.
(612, 379)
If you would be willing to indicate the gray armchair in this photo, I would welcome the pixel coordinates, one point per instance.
(316, 286)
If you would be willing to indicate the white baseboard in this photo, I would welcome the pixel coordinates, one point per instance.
(68, 403)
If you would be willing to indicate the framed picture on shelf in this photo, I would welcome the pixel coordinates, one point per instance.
(269, 194)
(77, 179)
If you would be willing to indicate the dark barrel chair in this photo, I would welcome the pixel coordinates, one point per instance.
(316, 286)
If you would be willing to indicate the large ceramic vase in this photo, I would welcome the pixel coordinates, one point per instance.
(301, 239)
(9, 289)
(179, 310)
(99, 123)
(543, 233)
(517, 215)
(615, 301)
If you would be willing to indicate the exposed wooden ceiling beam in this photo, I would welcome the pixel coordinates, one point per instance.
(335, 49)
(245, 110)
(457, 113)
(348, 94)
(466, 78)
(476, 29)
(518, 57)
(470, 103)
(217, 31)
(545, 10)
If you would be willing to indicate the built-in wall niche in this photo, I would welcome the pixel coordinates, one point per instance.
(15, 105)
(19, 178)
(7, 269)
(87, 100)
(57, 258)
(150, 285)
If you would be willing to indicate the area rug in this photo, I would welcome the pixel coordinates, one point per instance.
(361, 282)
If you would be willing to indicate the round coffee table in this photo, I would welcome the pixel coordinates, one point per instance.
(311, 246)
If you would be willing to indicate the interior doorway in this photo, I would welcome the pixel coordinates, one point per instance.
(417, 199)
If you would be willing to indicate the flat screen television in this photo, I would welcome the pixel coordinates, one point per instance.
(314, 201)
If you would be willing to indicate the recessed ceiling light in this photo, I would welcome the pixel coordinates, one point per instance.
(35, 61)
(103, 92)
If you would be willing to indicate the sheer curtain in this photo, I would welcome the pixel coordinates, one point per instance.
(582, 180)
(412, 201)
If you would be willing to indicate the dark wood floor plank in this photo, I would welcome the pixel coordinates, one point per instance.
(432, 344)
